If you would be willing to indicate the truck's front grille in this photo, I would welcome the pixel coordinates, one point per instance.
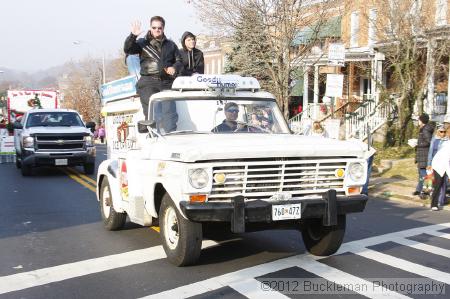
(66, 142)
(258, 180)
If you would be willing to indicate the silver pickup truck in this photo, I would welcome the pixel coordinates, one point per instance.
(53, 137)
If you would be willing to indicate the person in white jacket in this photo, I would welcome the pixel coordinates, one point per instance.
(441, 166)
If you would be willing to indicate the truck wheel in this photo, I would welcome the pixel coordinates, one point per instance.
(89, 168)
(112, 220)
(323, 240)
(18, 163)
(181, 238)
(26, 170)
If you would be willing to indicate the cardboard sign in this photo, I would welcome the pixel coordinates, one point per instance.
(336, 54)
(335, 84)
(7, 144)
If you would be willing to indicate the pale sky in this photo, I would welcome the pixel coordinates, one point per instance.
(37, 34)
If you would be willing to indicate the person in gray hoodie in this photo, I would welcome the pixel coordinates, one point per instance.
(193, 61)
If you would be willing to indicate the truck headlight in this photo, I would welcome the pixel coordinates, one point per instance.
(28, 142)
(88, 140)
(356, 171)
(198, 178)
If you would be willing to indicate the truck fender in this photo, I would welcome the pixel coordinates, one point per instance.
(109, 169)
(156, 192)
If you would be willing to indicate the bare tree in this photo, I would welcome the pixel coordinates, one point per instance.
(81, 89)
(279, 22)
(405, 33)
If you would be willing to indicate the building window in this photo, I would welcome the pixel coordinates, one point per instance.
(354, 29)
(372, 38)
(441, 13)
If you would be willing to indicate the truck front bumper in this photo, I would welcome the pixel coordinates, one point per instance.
(32, 158)
(239, 212)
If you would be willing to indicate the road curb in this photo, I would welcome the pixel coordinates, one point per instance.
(408, 199)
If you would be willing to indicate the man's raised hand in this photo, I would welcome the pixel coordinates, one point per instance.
(136, 28)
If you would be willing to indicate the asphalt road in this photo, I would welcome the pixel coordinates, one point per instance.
(53, 245)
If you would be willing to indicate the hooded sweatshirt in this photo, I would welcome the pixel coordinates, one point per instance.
(193, 61)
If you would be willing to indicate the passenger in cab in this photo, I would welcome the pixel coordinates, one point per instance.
(229, 124)
(193, 61)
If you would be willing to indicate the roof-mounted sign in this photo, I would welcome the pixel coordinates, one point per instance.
(204, 82)
(119, 89)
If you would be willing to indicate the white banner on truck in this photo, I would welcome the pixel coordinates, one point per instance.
(19, 101)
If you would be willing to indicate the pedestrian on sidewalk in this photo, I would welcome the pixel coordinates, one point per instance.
(436, 143)
(423, 146)
(441, 168)
(101, 133)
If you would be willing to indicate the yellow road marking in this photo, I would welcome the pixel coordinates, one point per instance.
(76, 176)
(78, 180)
(85, 177)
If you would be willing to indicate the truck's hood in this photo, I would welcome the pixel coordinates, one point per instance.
(191, 148)
(57, 130)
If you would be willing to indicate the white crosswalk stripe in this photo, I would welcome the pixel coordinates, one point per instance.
(39, 277)
(244, 281)
(404, 265)
(424, 247)
(439, 234)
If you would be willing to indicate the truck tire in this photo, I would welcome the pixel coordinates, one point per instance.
(112, 220)
(26, 170)
(18, 162)
(323, 240)
(181, 238)
(89, 168)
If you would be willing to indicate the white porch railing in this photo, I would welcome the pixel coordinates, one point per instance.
(297, 122)
(367, 118)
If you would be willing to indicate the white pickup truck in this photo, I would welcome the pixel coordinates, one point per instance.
(217, 149)
(53, 137)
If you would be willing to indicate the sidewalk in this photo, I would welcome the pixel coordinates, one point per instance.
(396, 188)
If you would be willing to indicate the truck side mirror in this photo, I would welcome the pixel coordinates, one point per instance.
(144, 124)
(17, 125)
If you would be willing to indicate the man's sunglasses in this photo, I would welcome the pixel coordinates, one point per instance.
(233, 110)
(157, 28)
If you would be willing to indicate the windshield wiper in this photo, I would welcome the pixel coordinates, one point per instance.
(179, 132)
(185, 132)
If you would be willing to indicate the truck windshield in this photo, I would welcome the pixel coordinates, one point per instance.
(54, 119)
(218, 116)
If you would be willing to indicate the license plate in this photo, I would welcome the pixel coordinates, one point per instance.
(285, 212)
(60, 162)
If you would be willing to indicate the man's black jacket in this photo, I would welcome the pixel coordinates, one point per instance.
(154, 55)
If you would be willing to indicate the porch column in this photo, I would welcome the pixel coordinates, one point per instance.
(305, 87)
(447, 115)
(428, 105)
(373, 76)
(316, 90)
(378, 80)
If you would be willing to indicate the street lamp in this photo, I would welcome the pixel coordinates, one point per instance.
(78, 42)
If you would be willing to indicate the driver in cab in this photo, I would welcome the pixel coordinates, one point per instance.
(229, 124)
